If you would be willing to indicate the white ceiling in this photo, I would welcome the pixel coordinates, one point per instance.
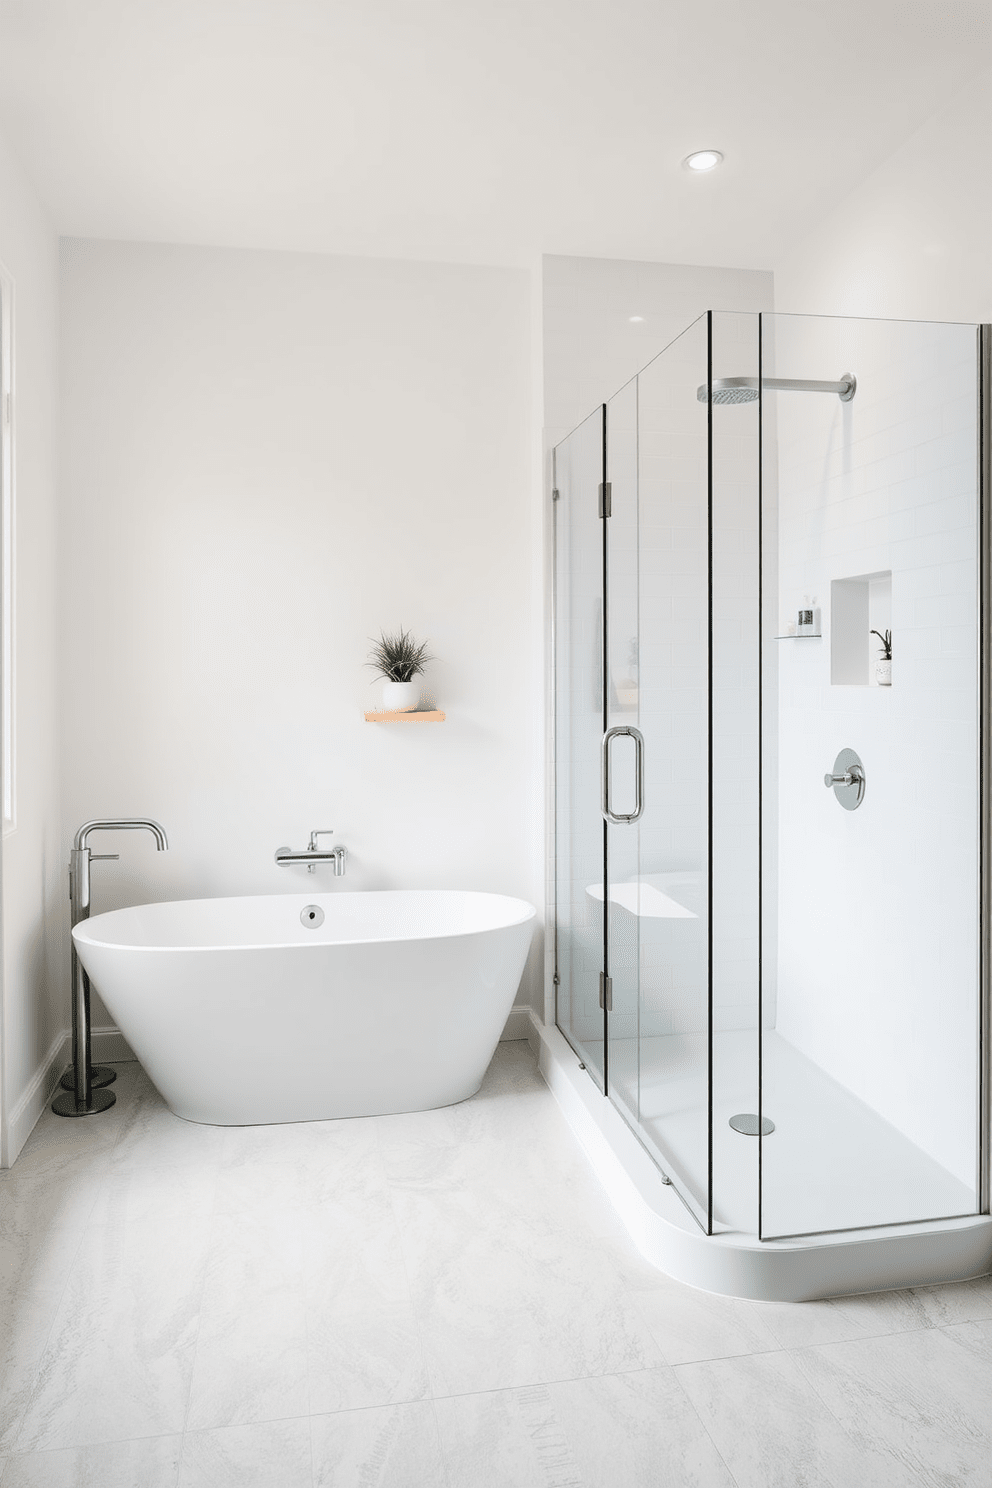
(474, 130)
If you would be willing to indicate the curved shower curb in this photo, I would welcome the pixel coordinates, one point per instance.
(735, 1264)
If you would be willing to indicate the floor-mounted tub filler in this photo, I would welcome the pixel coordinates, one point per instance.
(284, 1007)
(769, 1012)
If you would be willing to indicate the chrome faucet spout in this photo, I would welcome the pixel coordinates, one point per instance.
(122, 824)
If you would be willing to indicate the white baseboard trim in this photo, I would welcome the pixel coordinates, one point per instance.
(34, 1100)
(109, 1046)
(518, 1024)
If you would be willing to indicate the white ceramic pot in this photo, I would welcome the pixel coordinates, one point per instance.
(400, 697)
(883, 672)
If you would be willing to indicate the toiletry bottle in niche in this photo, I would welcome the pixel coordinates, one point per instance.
(804, 619)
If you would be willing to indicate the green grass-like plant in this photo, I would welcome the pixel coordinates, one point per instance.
(399, 658)
(886, 641)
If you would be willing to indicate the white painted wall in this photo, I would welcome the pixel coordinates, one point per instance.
(266, 458)
(33, 1006)
(591, 344)
(912, 240)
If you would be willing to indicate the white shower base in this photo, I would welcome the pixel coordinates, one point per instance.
(832, 1162)
(732, 1260)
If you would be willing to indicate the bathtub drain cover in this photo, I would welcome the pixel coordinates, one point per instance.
(311, 915)
(748, 1125)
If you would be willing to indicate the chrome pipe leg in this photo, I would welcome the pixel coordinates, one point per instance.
(82, 1098)
(100, 1074)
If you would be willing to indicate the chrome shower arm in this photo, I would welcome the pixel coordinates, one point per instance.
(844, 389)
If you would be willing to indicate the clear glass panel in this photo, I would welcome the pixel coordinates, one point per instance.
(579, 712)
(870, 916)
(672, 876)
(735, 769)
(623, 655)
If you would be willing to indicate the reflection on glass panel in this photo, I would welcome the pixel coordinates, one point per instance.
(673, 684)
(871, 915)
(578, 731)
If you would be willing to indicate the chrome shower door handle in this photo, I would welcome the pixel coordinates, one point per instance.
(618, 817)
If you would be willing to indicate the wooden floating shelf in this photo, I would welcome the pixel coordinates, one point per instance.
(413, 717)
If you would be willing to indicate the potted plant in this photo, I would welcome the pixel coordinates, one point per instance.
(883, 666)
(398, 659)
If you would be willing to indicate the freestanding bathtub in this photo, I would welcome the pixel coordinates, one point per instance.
(288, 1007)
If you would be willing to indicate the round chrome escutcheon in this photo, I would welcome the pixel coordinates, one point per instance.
(311, 915)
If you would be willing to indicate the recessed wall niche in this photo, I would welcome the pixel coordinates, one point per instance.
(858, 605)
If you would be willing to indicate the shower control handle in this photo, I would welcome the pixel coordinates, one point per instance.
(849, 777)
(619, 818)
(847, 780)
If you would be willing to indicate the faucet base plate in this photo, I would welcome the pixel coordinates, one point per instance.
(67, 1105)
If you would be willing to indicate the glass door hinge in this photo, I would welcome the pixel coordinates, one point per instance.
(555, 494)
(556, 979)
(605, 992)
(606, 499)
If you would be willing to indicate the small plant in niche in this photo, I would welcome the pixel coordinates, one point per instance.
(398, 659)
(883, 666)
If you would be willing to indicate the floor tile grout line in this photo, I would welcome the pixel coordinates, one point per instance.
(445, 1465)
(706, 1430)
(199, 1317)
(838, 1422)
(414, 1309)
(114, 1441)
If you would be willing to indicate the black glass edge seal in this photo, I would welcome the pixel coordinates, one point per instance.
(709, 773)
(556, 984)
(606, 724)
(761, 761)
(985, 769)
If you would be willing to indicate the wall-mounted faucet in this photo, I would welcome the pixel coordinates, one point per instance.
(83, 1084)
(312, 855)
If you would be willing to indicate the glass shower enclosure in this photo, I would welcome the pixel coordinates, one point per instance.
(770, 691)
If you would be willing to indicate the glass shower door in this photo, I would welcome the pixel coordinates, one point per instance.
(633, 653)
(580, 841)
(622, 781)
(669, 886)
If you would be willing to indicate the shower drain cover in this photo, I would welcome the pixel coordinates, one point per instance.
(747, 1125)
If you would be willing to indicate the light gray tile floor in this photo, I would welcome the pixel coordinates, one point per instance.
(439, 1300)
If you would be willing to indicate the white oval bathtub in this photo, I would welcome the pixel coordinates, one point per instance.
(240, 1014)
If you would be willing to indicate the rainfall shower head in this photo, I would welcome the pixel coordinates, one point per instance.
(745, 389)
(730, 390)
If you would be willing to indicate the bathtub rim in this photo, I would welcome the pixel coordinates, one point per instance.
(80, 933)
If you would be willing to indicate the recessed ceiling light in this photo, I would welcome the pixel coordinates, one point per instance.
(702, 160)
(635, 318)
